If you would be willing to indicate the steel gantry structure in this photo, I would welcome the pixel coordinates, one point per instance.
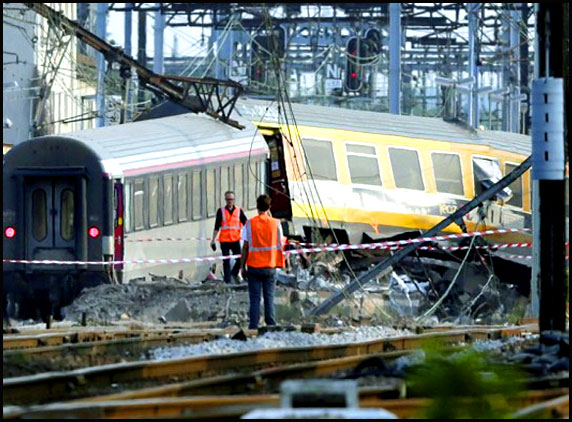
(380, 56)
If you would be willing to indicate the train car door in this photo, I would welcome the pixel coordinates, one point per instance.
(50, 216)
(118, 228)
(278, 178)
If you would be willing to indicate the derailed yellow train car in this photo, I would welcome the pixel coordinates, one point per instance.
(376, 174)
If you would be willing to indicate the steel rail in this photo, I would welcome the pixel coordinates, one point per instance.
(558, 407)
(235, 406)
(101, 352)
(267, 378)
(55, 385)
(77, 338)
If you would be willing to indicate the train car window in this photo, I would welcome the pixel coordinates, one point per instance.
(40, 215)
(210, 192)
(196, 192)
(486, 172)
(138, 204)
(406, 169)
(128, 208)
(153, 201)
(238, 185)
(320, 158)
(115, 206)
(252, 176)
(224, 180)
(182, 196)
(515, 187)
(218, 200)
(363, 165)
(360, 149)
(447, 172)
(168, 198)
(67, 214)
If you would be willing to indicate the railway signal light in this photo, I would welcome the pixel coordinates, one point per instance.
(10, 232)
(370, 46)
(263, 47)
(93, 232)
(352, 65)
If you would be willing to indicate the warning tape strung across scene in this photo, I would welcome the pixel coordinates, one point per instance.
(396, 242)
(167, 239)
(567, 257)
(221, 258)
(391, 245)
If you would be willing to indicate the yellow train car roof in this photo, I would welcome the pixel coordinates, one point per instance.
(266, 112)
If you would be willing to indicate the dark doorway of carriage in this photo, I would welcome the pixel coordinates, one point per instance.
(51, 215)
(277, 180)
(51, 231)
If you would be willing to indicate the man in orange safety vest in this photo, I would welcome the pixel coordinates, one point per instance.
(229, 222)
(262, 253)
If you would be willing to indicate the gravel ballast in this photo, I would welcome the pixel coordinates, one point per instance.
(275, 340)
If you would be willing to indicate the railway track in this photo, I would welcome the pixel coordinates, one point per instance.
(545, 403)
(92, 350)
(33, 342)
(43, 338)
(91, 381)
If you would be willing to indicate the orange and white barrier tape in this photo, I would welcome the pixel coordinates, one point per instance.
(166, 239)
(390, 245)
(396, 242)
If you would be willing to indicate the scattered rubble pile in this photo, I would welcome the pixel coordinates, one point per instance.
(549, 356)
(159, 301)
(486, 288)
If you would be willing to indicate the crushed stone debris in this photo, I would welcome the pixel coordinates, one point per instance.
(149, 302)
(272, 340)
(497, 345)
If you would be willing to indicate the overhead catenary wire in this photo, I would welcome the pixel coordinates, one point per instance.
(433, 308)
(283, 99)
(284, 102)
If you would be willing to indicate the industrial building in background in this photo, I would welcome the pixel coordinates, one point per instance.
(47, 87)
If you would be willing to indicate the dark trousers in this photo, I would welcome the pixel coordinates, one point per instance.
(261, 279)
(227, 248)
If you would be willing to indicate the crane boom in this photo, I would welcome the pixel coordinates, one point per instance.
(214, 97)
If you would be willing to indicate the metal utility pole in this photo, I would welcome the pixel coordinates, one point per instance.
(99, 96)
(126, 92)
(394, 58)
(159, 30)
(548, 161)
(141, 48)
(506, 75)
(524, 63)
(514, 104)
(128, 30)
(473, 100)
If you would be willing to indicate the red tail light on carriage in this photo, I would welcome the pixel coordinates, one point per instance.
(10, 232)
(93, 232)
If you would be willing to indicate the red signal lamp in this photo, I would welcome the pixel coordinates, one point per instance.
(93, 232)
(10, 232)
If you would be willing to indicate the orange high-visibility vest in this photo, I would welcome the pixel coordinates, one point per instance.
(265, 248)
(231, 227)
